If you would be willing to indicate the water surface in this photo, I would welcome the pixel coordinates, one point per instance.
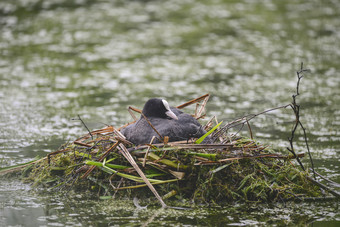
(94, 58)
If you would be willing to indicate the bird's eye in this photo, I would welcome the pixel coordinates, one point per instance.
(166, 104)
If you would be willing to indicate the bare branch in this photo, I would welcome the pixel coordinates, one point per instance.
(84, 125)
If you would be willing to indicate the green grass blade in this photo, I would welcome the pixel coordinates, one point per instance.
(113, 166)
(220, 168)
(166, 161)
(82, 154)
(144, 185)
(9, 169)
(203, 155)
(208, 133)
(106, 168)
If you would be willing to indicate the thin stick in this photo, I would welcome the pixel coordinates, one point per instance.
(18, 168)
(147, 151)
(118, 133)
(127, 124)
(196, 111)
(328, 180)
(192, 101)
(251, 116)
(200, 111)
(203, 146)
(124, 141)
(243, 120)
(84, 125)
(130, 108)
(248, 157)
(307, 146)
(101, 159)
(208, 124)
(296, 108)
(81, 144)
(128, 157)
(107, 129)
(250, 131)
(160, 136)
(336, 194)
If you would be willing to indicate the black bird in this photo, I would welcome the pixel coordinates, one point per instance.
(168, 121)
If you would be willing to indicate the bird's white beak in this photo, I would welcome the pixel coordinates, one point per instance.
(171, 114)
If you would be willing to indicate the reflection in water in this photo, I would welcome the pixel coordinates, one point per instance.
(94, 58)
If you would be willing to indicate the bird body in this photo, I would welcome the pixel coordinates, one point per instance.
(168, 121)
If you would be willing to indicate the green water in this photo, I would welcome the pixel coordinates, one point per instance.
(61, 58)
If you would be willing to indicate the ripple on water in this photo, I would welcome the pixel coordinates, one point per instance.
(95, 58)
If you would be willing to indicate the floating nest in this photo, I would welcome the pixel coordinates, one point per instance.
(233, 168)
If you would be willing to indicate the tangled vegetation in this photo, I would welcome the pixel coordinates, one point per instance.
(240, 169)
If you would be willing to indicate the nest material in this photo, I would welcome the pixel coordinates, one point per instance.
(233, 168)
(240, 169)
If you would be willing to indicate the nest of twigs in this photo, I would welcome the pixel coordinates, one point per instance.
(232, 168)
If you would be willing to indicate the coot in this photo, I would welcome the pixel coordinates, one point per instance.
(168, 121)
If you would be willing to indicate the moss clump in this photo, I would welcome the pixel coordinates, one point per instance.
(253, 180)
